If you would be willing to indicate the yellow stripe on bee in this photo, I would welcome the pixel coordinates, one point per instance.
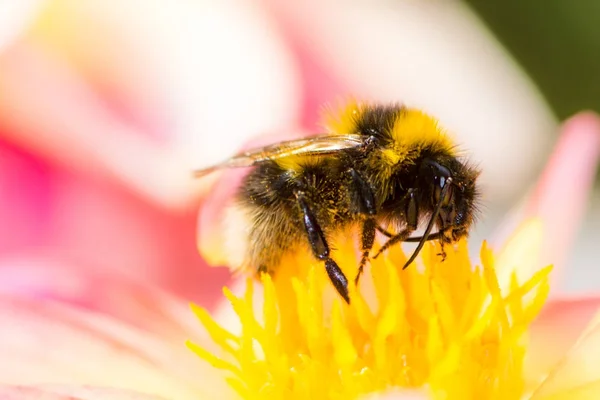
(414, 130)
(342, 120)
(297, 163)
(392, 156)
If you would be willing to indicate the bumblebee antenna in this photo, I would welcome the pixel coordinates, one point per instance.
(435, 214)
(432, 236)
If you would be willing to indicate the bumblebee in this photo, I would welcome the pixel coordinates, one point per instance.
(378, 166)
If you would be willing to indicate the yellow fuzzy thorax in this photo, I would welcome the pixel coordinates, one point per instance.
(411, 131)
(442, 327)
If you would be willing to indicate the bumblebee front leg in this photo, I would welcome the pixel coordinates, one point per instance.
(319, 246)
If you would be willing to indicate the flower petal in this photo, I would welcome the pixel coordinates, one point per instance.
(520, 255)
(589, 391)
(132, 301)
(577, 370)
(558, 200)
(562, 193)
(92, 140)
(213, 221)
(555, 331)
(51, 342)
(46, 392)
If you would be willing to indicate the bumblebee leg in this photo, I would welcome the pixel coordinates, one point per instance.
(364, 203)
(319, 246)
(367, 239)
(412, 218)
(337, 277)
(399, 237)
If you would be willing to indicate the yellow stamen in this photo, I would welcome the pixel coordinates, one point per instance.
(444, 327)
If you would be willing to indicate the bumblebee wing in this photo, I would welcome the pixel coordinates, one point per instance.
(315, 145)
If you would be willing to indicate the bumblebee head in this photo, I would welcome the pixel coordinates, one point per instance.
(453, 195)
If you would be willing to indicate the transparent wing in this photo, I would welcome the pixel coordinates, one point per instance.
(315, 145)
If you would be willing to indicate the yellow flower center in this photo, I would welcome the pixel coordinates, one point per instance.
(441, 326)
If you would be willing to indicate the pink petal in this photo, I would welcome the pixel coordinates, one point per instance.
(555, 331)
(81, 217)
(134, 302)
(561, 194)
(26, 184)
(577, 372)
(92, 140)
(46, 392)
(212, 234)
(51, 342)
(102, 225)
